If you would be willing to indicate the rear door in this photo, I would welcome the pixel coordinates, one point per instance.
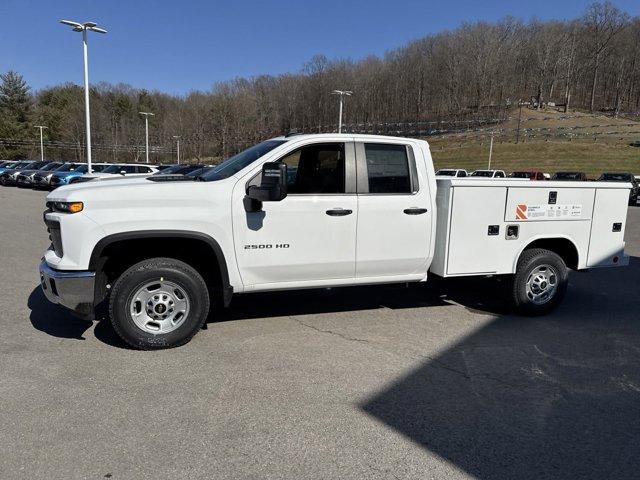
(394, 212)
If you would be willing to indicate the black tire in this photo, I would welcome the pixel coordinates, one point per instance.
(140, 274)
(529, 261)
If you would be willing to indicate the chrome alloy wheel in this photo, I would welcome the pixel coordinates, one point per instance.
(542, 284)
(159, 307)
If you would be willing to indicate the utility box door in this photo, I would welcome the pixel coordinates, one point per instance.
(527, 204)
(472, 248)
(607, 231)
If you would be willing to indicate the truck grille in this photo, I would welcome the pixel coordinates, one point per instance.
(55, 236)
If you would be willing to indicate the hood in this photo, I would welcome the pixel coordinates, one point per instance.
(118, 186)
(130, 193)
(103, 175)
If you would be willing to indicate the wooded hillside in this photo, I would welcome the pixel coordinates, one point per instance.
(477, 72)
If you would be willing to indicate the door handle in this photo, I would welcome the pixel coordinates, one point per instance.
(415, 211)
(339, 212)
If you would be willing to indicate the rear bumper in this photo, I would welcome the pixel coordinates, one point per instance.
(71, 289)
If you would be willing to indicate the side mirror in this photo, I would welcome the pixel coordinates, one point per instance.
(272, 188)
(123, 172)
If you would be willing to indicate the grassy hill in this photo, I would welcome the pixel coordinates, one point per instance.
(549, 141)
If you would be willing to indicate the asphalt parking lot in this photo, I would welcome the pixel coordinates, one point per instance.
(378, 382)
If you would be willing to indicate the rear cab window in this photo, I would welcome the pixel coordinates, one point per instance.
(386, 169)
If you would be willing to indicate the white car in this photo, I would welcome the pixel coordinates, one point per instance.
(489, 174)
(119, 170)
(314, 211)
(451, 172)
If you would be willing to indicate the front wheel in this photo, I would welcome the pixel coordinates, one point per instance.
(540, 282)
(158, 303)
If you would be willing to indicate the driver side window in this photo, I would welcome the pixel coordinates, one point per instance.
(314, 169)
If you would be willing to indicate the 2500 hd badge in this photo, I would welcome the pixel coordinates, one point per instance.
(266, 246)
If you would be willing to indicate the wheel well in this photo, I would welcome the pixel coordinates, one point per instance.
(111, 260)
(564, 247)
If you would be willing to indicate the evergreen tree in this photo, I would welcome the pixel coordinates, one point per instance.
(15, 112)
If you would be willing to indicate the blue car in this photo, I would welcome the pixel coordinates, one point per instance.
(69, 171)
(11, 164)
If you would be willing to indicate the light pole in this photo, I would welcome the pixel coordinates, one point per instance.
(342, 93)
(84, 27)
(490, 152)
(177, 137)
(146, 131)
(41, 127)
(519, 119)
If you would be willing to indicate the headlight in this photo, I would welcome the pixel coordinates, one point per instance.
(66, 207)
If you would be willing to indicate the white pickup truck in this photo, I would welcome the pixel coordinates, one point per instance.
(315, 211)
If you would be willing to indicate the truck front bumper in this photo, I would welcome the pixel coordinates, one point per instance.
(71, 289)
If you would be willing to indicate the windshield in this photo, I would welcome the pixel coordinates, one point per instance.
(447, 173)
(482, 173)
(178, 169)
(567, 176)
(37, 165)
(616, 177)
(21, 165)
(67, 167)
(51, 166)
(199, 172)
(112, 169)
(233, 165)
(521, 175)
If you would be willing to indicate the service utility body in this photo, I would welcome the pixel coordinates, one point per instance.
(308, 211)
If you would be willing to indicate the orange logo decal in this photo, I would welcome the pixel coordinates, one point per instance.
(521, 212)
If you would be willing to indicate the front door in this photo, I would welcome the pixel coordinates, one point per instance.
(309, 237)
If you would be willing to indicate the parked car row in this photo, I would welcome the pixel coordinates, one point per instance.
(50, 175)
(569, 176)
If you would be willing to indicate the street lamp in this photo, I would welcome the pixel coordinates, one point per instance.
(177, 137)
(490, 152)
(146, 131)
(84, 27)
(41, 127)
(342, 93)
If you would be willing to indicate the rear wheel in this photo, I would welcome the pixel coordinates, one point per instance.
(158, 303)
(540, 282)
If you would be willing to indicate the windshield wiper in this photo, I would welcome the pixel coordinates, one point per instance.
(172, 177)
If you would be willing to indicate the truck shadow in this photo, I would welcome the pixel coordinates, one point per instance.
(61, 323)
(53, 319)
(552, 397)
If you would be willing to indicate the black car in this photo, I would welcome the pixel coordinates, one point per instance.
(570, 176)
(25, 177)
(626, 178)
